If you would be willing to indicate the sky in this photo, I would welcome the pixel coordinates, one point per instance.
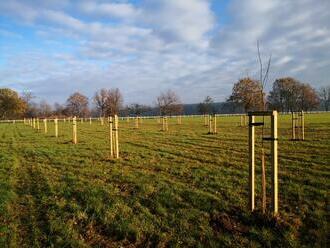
(196, 48)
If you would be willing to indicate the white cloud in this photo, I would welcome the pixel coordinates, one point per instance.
(146, 47)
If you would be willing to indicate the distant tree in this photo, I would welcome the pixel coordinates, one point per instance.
(108, 102)
(45, 109)
(11, 104)
(138, 109)
(247, 93)
(288, 95)
(114, 102)
(206, 107)
(169, 103)
(100, 100)
(324, 95)
(77, 105)
(31, 106)
(59, 109)
(308, 98)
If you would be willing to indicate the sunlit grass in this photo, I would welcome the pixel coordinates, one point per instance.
(173, 188)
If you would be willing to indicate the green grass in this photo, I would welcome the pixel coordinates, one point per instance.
(183, 188)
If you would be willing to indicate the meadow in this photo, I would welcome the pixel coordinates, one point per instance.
(181, 188)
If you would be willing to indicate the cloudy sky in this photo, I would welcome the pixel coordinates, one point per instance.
(195, 47)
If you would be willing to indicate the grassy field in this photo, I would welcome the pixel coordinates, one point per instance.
(182, 188)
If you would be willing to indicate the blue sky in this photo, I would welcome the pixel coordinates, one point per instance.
(194, 47)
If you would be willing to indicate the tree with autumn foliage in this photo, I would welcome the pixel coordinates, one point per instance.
(288, 94)
(11, 104)
(247, 92)
(77, 105)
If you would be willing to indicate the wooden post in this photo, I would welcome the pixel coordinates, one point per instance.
(90, 120)
(251, 163)
(38, 125)
(263, 180)
(293, 126)
(163, 122)
(215, 124)
(166, 124)
(302, 125)
(56, 127)
(111, 137)
(102, 122)
(274, 162)
(116, 137)
(74, 130)
(45, 126)
(34, 122)
(210, 124)
(136, 122)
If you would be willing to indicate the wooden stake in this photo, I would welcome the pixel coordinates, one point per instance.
(38, 125)
(293, 126)
(111, 137)
(215, 124)
(274, 162)
(210, 124)
(74, 130)
(136, 122)
(302, 125)
(45, 126)
(116, 136)
(90, 120)
(263, 180)
(56, 127)
(251, 163)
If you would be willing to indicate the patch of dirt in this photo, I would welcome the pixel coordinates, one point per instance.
(223, 222)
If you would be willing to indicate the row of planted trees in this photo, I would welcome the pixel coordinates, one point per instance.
(286, 95)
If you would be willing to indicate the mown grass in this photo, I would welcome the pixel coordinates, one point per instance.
(182, 188)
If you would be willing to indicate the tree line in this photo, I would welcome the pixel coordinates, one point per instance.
(287, 94)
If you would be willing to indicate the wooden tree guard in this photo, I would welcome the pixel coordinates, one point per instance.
(56, 127)
(38, 125)
(274, 155)
(136, 122)
(90, 120)
(179, 119)
(113, 137)
(212, 124)
(298, 126)
(116, 137)
(45, 126)
(102, 121)
(74, 130)
(34, 122)
(164, 124)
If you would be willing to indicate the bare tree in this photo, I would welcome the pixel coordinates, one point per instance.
(138, 109)
(263, 76)
(44, 109)
(114, 102)
(77, 105)
(206, 107)
(100, 100)
(169, 103)
(324, 94)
